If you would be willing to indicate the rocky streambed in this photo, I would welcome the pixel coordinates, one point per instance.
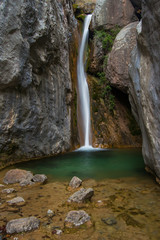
(116, 209)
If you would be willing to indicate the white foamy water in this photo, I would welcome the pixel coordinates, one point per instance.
(83, 86)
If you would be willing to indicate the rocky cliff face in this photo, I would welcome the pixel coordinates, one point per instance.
(112, 122)
(119, 58)
(109, 13)
(145, 83)
(35, 81)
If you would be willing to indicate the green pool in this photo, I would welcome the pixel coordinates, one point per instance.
(97, 164)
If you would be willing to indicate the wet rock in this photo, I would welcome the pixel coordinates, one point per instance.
(96, 56)
(57, 231)
(130, 221)
(75, 182)
(41, 178)
(8, 190)
(76, 218)
(117, 69)
(22, 225)
(1, 185)
(109, 221)
(16, 176)
(84, 6)
(16, 201)
(26, 182)
(82, 195)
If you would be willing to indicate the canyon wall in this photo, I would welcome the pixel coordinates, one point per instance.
(112, 121)
(35, 81)
(144, 87)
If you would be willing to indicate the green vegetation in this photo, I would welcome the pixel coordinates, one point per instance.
(107, 37)
(75, 7)
(106, 91)
(105, 62)
(81, 17)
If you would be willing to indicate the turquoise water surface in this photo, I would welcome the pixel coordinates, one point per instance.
(97, 164)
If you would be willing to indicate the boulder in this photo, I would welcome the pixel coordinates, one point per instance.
(8, 190)
(109, 13)
(22, 225)
(117, 69)
(145, 83)
(16, 201)
(76, 218)
(75, 182)
(26, 182)
(82, 195)
(16, 176)
(40, 178)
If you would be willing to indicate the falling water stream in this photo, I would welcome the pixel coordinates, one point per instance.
(83, 91)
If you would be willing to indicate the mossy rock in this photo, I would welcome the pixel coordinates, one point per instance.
(81, 17)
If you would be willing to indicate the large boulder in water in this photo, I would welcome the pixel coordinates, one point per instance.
(16, 176)
(75, 182)
(82, 195)
(22, 225)
(76, 218)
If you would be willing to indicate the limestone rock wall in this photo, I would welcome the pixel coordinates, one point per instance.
(145, 82)
(119, 58)
(35, 81)
(109, 13)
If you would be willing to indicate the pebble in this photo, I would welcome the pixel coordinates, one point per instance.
(50, 213)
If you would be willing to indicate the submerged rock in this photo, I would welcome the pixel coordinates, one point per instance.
(26, 182)
(76, 218)
(8, 190)
(22, 225)
(16, 201)
(16, 176)
(109, 221)
(41, 178)
(82, 195)
(1, 185)
(75, 182)
(50, 213)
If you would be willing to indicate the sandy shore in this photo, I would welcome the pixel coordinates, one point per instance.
(132, 202)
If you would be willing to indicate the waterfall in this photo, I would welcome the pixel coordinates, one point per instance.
(83, 91)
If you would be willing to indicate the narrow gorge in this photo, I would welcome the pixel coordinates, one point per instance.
(79, 119)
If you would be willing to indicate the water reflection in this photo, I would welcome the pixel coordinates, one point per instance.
(99, 165)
